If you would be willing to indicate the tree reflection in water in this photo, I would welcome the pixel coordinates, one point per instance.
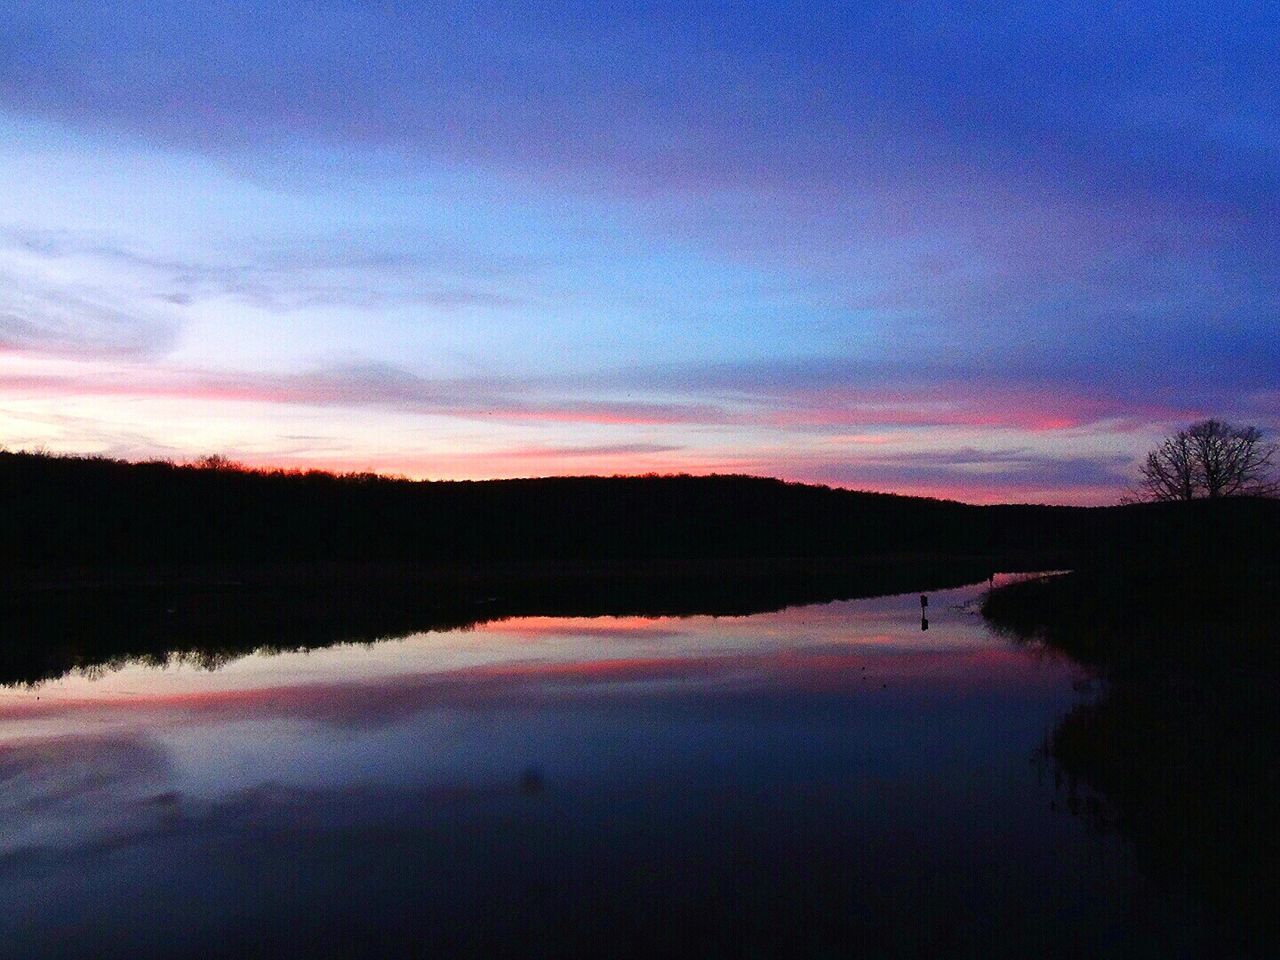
(53, 632)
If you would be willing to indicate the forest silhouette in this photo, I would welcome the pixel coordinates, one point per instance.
(68, 516)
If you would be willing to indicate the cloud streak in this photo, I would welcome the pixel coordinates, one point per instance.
(672, 238)
(786, 406)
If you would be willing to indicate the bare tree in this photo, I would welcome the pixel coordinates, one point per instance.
(1169, 471)
(1211, 458)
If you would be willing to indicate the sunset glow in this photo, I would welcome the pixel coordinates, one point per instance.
(840, 245)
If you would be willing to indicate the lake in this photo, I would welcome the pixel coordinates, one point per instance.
(819, 780)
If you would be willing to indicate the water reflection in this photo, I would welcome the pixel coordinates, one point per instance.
(103, 626)
(814, 779)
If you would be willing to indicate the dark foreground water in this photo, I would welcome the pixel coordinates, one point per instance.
(822, 781)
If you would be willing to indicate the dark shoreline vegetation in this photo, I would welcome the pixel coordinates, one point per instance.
(78, 519)
(1180, 751)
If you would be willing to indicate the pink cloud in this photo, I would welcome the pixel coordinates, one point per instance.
(839, 435)
(968, 403)
(956, 404)
(471, 399)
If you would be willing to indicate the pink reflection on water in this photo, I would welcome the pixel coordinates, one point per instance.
(885, 626)
(831, 668)
(87, 762)
(854, 647)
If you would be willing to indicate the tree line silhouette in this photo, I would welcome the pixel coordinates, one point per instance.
(86, 513)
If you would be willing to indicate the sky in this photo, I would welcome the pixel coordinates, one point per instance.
(981, 251)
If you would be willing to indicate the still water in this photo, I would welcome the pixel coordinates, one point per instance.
(820, 780)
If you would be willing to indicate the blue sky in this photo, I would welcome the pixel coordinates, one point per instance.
(989, 253)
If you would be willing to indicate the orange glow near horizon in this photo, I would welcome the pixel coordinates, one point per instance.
(991, 447)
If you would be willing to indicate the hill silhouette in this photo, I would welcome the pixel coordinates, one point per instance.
(95, 516)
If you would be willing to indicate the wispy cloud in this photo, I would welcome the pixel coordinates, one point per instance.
(47, 308)
(69, 270)
(493, 399)
(674, 236)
